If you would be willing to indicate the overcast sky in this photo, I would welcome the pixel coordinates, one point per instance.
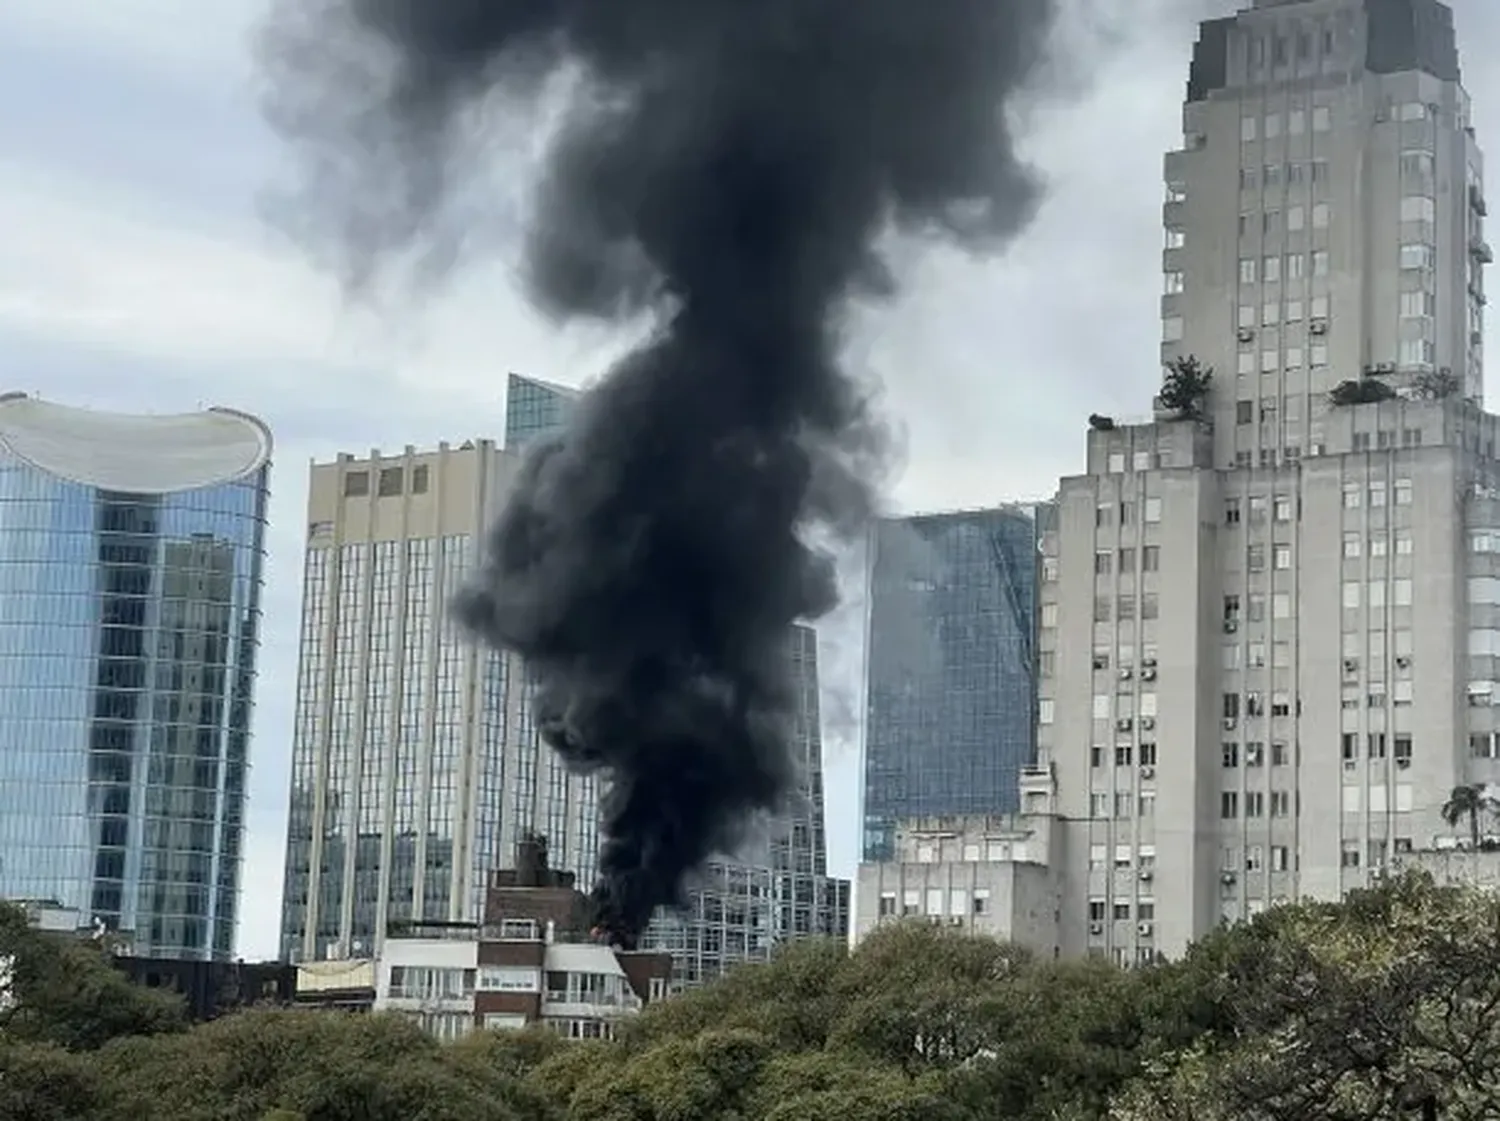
(135, 275)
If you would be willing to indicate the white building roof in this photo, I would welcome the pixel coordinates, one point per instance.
(580, 957)
(134, 454)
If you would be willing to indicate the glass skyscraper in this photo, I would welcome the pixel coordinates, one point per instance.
(951, 695)
(534, 408)
(130, 581)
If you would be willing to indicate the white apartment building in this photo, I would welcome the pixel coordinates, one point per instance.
(1270, 637)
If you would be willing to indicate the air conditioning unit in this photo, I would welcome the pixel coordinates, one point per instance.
(1351, 666)
(1148, 722)
(1227, 878)
(1318, 327)
(1229, 723)
(1145, 875)
(1245, 334)
(1101, 661)
(956, 920)
(1149, 663)
(1403, 662)
(1143, 929)
(1148, 675)
(1318, 449)
(1148, 772)
(1124, 724)
(1231, 625)
(1096, 928)
(1403, 762)
(1125, 673)
(1385, 367)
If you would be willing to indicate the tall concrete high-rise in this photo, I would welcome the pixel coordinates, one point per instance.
(130, 582)
(951, 690)
(415, 760)
(1270, 622)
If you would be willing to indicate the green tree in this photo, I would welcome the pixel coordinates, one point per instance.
(1383, 1006)
(1185, 387)
(61, 989)
(1467, 802)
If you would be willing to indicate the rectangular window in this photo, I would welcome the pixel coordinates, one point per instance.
(1418, 208)
(1296, 122)
(1320, 215)
(1247, 128)
(1151, 510)
(1270, 269)
(1321, 118)
(1171, 329)
(1172, 284)
(1247, 270)
(1296, 219)
(1229, 805)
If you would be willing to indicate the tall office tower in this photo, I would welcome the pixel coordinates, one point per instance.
(951, 694)
(534, 408)
(130, 582)
(1269, 624)
(778, 888)
(416, 763)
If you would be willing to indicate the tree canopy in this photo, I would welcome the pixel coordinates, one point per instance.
(1383, 1006)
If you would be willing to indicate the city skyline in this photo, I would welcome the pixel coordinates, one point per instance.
(141, 278)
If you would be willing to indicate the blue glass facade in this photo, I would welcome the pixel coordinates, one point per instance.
(951, 691)
(534, 408)
(128, 627)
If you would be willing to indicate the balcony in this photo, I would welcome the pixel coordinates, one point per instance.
(1480, 250)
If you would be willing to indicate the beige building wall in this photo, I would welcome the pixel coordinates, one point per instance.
(416, 761)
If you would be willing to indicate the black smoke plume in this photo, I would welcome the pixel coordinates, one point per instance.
(731, 168)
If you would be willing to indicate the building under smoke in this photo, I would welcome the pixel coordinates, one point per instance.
(778, 888)
(951, 693)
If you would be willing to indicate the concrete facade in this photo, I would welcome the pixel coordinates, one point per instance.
(1269, 633)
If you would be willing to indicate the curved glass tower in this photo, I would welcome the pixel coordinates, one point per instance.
(130, 578)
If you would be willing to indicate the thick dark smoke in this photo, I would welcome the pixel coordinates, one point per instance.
(729, 166)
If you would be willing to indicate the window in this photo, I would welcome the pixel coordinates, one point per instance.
(1256, 558)
(1150, 606)
(1318, 170)
(1296, 122)
(1401, 590)
(1255, 803)
(1231, 754)
(1415, 255)
(1321, 119)
(1247, 178)
(419, 479)
(1317, 356)
(1320, 262)
(1281, 803)
(1282, 557)
(1403, 492)
(1320, 215)
(1049, 614)
(1418, 305)
(1102, 562)
(1046, 710)
(1150, 558)
(1244, 412)
(1151, 511)
(1245, 362)
(1229, 804)
(356, 484)
(1127, 560)
(1296, 219)
(1173, 283)
(1171, 329)
(1247, 128)
(1352, 543)
(1418, 208)
(1295, 266)
(1281, 605)
(1176, 237)
(1416, 352)
(1352, 493)
(391, 479)
(1271, 126)
(1403, 544)
(1270, 269)
(1351, 593)
(1281, 858)
(1247, 270)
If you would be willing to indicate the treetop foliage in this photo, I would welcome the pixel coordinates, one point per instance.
(1383, 1006)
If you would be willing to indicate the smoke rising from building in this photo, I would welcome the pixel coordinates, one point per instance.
(728, 167)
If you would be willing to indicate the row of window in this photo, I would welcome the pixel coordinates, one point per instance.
(1293, 174)
(936, 902)
(1270, 126)
(390, 482)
